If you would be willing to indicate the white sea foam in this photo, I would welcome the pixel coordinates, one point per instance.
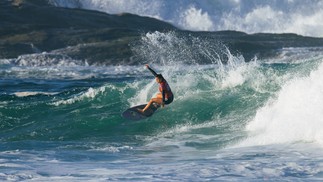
(25, 94)
(112, 149)
(47, 59)
(144, 94)
(294, 116)
(91, 93)
(56, 66)
(195, 19)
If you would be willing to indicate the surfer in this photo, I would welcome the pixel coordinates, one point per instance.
(165, 96)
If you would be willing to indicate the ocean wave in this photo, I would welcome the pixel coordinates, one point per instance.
(222, 88)
(26, 94)
(295, 115)
(112, 149)
(89, 94)
(47, 59)
(56, 66)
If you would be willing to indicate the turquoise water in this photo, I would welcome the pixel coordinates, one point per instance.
(255, 120)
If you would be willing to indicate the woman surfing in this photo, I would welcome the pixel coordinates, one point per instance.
(165, 96)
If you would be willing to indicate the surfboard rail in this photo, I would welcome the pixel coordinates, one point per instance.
(134, 114)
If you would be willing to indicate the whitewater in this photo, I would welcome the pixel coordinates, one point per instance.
(232, 119)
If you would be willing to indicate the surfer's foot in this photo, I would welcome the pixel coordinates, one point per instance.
(141, 110)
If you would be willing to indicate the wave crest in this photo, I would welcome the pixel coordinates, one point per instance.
(295, 115)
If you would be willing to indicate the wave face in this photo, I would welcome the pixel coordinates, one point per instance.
(252, 16)
(245, 119)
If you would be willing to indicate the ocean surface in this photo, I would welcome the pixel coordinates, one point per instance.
(232, 119)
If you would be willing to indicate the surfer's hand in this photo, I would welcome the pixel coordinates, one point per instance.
(147, 66)
(163, 105)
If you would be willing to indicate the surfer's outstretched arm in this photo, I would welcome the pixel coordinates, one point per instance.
(151, 70)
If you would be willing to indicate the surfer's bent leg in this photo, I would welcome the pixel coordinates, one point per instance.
(157, 100)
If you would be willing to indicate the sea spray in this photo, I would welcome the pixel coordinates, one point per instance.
(178, 49)
(174, 54)
(294, 116)
(208, 98)
(177, 52)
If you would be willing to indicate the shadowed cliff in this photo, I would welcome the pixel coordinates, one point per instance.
(34, 26)
(29, 26)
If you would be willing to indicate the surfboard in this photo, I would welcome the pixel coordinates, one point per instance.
(135, 115)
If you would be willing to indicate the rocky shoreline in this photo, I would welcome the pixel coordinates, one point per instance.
(33, 26)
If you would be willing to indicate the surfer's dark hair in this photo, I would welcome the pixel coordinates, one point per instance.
(160, 76)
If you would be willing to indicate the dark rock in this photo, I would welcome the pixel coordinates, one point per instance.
(33, 26)
(103, 37)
